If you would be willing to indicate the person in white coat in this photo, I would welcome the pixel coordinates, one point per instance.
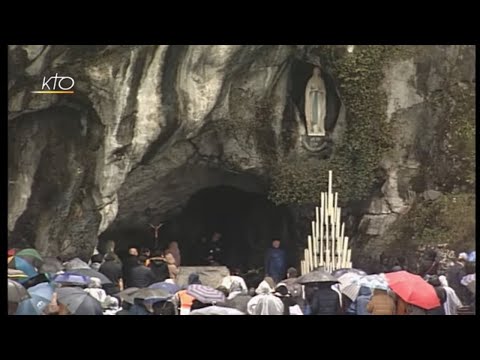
(265, 303)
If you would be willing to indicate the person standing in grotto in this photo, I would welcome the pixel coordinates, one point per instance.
(275, 262)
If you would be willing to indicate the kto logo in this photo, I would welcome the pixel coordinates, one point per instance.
(57, 85)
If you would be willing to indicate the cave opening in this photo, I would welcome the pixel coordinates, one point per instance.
(248, 222)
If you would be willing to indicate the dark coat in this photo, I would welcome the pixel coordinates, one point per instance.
(454, 278)
(275, 264)
(141, 277)
(159, 269)
(325, 302)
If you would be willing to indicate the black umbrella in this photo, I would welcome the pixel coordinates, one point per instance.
(91, 273)
(75, 263)
(127, 294)
(51, 265)
(317, 276)
(78, 301)
(151, 294)
(16, 292)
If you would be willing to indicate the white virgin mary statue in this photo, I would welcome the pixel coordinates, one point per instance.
(315, 104)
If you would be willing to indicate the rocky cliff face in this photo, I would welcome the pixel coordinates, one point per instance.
(148, 126)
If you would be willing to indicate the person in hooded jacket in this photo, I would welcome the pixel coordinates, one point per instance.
(265, 303)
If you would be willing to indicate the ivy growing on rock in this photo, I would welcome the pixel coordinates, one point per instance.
(368, 135)
(447, 220)
(453, 160)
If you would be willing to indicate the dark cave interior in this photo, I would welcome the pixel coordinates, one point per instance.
(247, 221)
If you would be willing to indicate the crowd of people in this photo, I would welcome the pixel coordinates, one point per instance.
(146, 283)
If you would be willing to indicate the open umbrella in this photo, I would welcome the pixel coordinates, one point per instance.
(16, 292)
(349, 284)
(413, 289)
(16, 274)
(91, 273)
(40, 297)
(205, 294)
(23, 265)
(72, 279)
(35, 280)
(216, 310)
(75, 263)
(31, 255)
(126, 295)
(171, 288)
(51, 265)
(339, 272)
(317, 276)
(151, 294)
(374, 281)
(78, 301)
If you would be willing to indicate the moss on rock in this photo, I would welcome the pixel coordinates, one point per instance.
(368, 135)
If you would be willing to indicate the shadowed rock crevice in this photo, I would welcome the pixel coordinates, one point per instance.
(62, 183)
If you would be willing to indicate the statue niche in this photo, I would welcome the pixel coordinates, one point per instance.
(315, 104)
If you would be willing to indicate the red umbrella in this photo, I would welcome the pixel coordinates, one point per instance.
(413, 289)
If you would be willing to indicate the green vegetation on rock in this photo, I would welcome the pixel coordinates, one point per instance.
(453, 159)
(355, 162)
(450, 219)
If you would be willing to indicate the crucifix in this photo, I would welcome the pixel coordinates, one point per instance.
(156, 228)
